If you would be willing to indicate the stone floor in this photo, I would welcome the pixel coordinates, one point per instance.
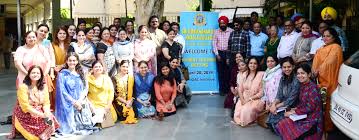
(203, 119)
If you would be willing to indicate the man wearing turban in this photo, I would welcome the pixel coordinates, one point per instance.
(220, 48)
(329, 15)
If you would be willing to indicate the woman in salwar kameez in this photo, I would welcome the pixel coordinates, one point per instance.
(123, 95)
(326, 65)
(250, 91)
(310, 104)
(287, 94)
(32, 116)
(228, 102)
(124, 50)
(60, 46)
(101, 92)
(165, 91)
(183, 97)
(73, 109)
(143, 84)
(30, 54)
(145, 49)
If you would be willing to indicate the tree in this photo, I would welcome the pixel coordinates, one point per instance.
(146, 8)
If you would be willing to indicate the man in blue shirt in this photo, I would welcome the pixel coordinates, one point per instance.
(258, 40)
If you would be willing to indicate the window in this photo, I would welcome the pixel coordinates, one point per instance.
(353, 61)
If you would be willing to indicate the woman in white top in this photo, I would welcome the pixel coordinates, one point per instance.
(84, 50)
(124, 50)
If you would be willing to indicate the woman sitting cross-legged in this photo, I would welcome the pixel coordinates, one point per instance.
(250, 91)
(123, 94)
(101, 93)
(32, 116)
(310, 104)
(287, 94)
(143, 84)
(165, 91)
(72, 109)
(183, 97)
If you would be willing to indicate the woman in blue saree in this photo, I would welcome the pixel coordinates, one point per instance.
(143, 83)
(72, 108)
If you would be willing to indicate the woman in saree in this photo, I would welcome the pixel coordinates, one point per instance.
(32, 116)
(143, 84)
(84, 50)
(105, 52)
(326, 65)
(123, 102)
(101, 92)
(73, 110)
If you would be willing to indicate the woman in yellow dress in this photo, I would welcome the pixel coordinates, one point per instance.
(124, 94)
(101, 92)
(32, 117)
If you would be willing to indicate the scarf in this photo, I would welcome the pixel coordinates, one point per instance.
(144, 86)
(309, 35)
(269, 73)
(123, 42)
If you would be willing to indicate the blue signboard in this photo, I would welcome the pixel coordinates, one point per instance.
(197, 28)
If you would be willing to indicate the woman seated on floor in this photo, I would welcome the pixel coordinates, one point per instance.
(287, 94)
(101, 93)
(73, 109)
(143, 84)
(310, 104)
(165, 91)
(32, 116)
(250, 91)
(270, 81)
(229, 102)
(183, 97)
(123, 95)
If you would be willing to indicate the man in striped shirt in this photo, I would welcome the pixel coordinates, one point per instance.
(220, 48)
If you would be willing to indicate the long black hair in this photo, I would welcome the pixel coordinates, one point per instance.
(249, 60)
(78, 67)
(160, 78)
(40, 82)
(335, 35)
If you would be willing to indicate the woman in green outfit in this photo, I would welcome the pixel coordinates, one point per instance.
(273, 42)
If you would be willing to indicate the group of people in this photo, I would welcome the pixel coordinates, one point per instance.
(86, 79)
(283, 82)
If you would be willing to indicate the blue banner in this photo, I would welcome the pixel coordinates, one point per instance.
(197, 28)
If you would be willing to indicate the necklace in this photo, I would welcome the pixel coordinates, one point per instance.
(272, 42)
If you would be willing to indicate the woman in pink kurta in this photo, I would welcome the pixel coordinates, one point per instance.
(145, 50)
(28, 55)
(250, 92)
(165, 91)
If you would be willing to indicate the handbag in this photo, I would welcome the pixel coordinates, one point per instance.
(108, 120)
(262, 119)
(185, 72)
